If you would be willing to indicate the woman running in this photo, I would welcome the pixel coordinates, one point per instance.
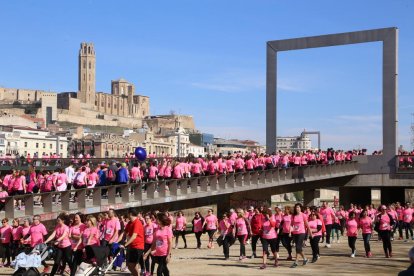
(315, 227)
(161, 245)
(180, 228)
(384, 222)
(226, 234)
(286, 231)
(269, 237)
(365, 223)
(62, 241)
(197, 222)
(352, 232)
(210, 224)
(242, 232)
(75, 235)
(299, 228)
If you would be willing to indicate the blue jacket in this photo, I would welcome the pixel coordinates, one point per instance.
(122, 175)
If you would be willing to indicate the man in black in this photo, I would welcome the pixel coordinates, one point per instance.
(410, 269)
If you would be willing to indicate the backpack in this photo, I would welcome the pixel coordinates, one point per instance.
(111, 175)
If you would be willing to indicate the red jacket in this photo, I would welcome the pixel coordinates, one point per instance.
(256, 224)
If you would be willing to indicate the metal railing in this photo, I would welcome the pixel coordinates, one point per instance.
(133, 194)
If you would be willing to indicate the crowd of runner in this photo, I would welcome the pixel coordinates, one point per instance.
(147, 239)
(81, 173)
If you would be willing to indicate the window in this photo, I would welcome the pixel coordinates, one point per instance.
(109, 105)
(37, 145)
(84, 64)
(96, 102)
(50, 146)
(115, 106)
(61, 147)
(25, 144)
(102, 104)
(44, 145)
(84, 77)
(90, 65)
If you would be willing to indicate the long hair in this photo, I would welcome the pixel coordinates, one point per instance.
(294, 209)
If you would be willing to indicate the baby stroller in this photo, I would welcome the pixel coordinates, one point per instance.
(96, 261)
(28, 264)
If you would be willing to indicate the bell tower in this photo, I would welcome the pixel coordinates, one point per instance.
(86, 80)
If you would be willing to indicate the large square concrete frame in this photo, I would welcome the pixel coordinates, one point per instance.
(389, 37)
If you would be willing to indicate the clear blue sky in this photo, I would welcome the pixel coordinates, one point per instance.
(207, 59)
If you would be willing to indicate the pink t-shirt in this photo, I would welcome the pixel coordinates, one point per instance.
(134, 173)
(198, 225)
(153, 172)
(224, 230)
(366, 225)
(313, 226)
(25, 231)
(36, 234)
(17, 233)
(62, 230)
(287, 220)
(76, 230)
(149, 233)
(384, 222)
(327, 214)
(6, 234)
(112, 226)
(161, 236)
(196, 168)
(211, 221)
(407, 215)
(180, 223)
(298, 224)
(352, 228)
(241, 227)
(92, 232)
(268, 227)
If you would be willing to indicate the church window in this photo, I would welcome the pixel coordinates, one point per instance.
(109, 105)
(90, 65)
(84, 64)
(115, 106)
(89, 76)
(102, 104)
(84, 77)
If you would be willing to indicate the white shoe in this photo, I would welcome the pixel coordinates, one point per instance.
(353, 255)
(328, 245)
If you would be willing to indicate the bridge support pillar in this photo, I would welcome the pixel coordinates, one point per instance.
(376, 196)
(311, 197)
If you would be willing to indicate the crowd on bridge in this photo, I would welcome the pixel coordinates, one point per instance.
(82, 173)
(145, 240)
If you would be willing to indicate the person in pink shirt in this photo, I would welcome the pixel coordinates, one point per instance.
(226, 235)
(75, 235)
(352, 232)
(63, 245)
(5, 240)
(161, 169)
(249, 164)
(328, 215)
(385, 222)
(135, 174)
(197, 222)
(180, 228)
(269, 237)
(17, 236)
(407, 217)
(177, 170)
(153, 171)
(3, 195)
(315, 229)
(230, 164)
(162, 244)
(25, 231)
(286, 236)
(299, 229)
(365, 223)
(36, 232)
(242, 230)
(239, 164)
(210, 223)
(149, 230)
(196, 169)
(112, 227)
(168, 171)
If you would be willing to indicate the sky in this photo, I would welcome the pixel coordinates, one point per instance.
(208, 59)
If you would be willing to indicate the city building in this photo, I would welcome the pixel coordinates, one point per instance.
(294, 143)
(23, 140)
(122, 107)
(228, 146)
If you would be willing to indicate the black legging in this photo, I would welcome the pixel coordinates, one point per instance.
(198, 238)
(242, 240)
(6, 254)
(162, 269)
(400, 227)
(14, 249)
(407, 228)
(226, 246)
(367, 246)
(77, 257)
(386, 241)
(328, 228)
(342, 223)
(147, 247)
(314, 242)
(287, 243)
(351, 243)
(66, 254)
(255, 238)
(182, 234)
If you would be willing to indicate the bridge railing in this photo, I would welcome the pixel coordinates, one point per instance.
(405, 163)
(168, 190)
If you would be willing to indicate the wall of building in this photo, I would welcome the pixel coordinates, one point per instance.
(12, 120)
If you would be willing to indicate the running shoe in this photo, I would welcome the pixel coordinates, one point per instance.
(289, 258)
(352, 255)
(328, 245)
(305, 261)
(294, 265)
(314, 260)
(263, 266)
